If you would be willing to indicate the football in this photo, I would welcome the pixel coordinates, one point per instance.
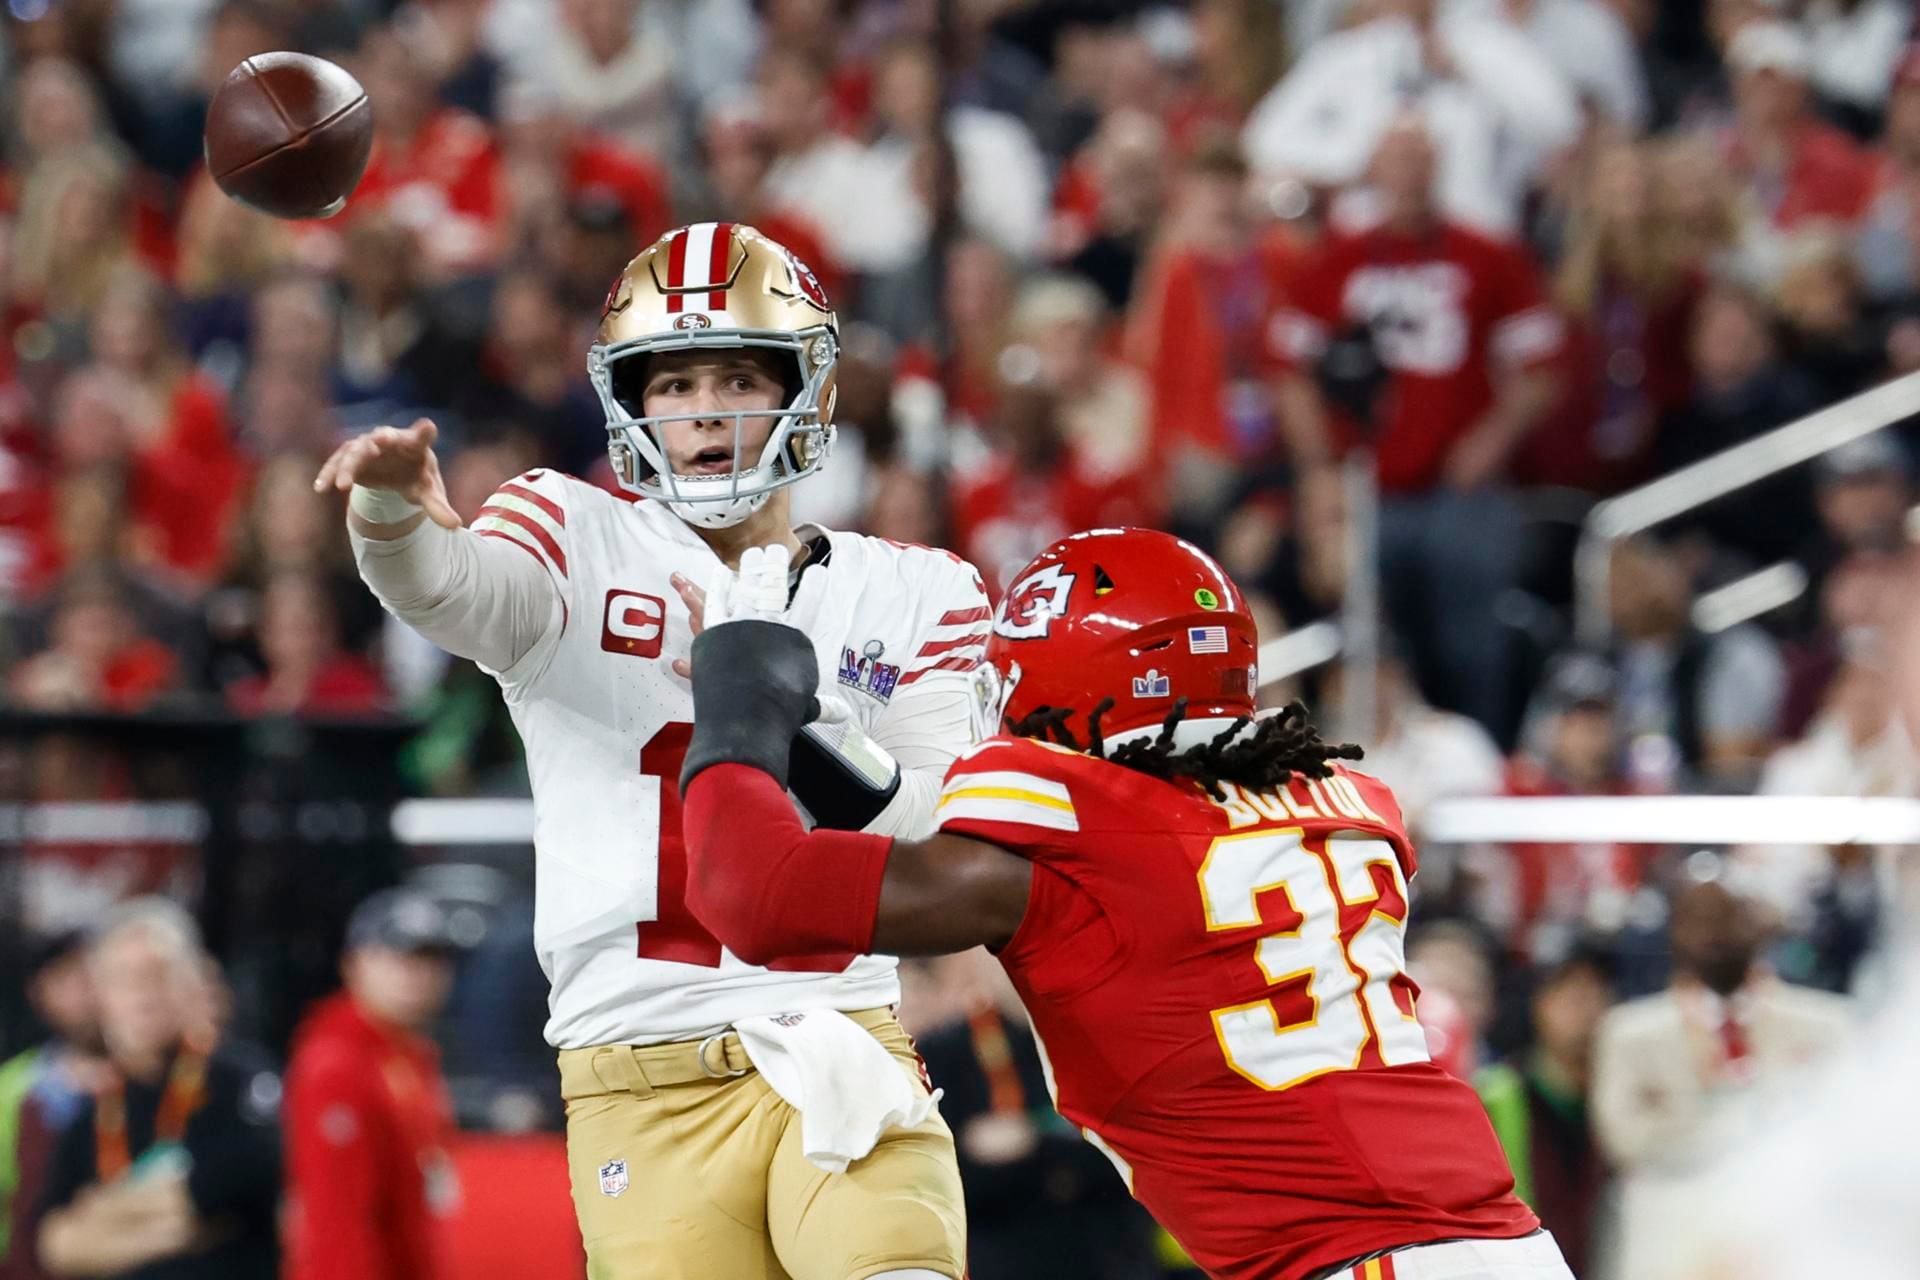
(289, 134)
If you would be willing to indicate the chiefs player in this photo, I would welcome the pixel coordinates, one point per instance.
(715, 365)
(1203, 911)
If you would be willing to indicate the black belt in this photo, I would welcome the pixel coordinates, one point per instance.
(1344, 1268)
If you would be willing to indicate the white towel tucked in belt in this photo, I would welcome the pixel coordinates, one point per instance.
(847, 1088)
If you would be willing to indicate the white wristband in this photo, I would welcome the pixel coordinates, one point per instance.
(381, 506)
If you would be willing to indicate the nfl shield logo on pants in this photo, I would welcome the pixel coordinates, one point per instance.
(613, 1177)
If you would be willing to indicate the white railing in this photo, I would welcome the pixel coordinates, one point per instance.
(1679, 492)
(1698, 820)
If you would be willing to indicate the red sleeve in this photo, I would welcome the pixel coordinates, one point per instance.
(333, 1169)
(1524, 331)
(755, 876)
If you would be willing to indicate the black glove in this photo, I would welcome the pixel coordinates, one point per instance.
(753, 687)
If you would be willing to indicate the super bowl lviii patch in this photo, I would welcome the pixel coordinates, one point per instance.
(864, 671)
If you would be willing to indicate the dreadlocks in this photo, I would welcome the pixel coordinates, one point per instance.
(1280, 747)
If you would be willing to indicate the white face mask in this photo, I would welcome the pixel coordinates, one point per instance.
(798, 445)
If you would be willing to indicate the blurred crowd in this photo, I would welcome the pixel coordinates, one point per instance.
(1096, 262)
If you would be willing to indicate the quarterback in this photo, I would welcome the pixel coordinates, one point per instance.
(725, 1117)
(1204, 913)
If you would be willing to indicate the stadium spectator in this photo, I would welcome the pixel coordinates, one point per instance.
(42, 1089)
(998, 176)
(1214, 282)
(186, 476)
(1862, 492)
(1588, 44)
(1496, 107)
(307, 669)
(1035, 487)
(1714, 699)
(367, 1113)
(1886, 246)
(1742, 389)
(1453, 964)
(548, 158)
(1627, 288)
(1678, 1076)
(397, 353)
(1459, 324)
(96, 657)
(1109, 200)
(1855, 746)
(1819, 300)
(434, 168)
(738, 150)
(1538, 1104)
(1793, 166)
(73, 235)
(813, 166)
(1545, 894)
(1854, 49)
(172, 1170)
(1103, 402)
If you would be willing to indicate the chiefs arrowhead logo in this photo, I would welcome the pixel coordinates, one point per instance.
(1033, 603)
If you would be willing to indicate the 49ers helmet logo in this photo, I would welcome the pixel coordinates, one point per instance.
(1033, 603)
(806, 282)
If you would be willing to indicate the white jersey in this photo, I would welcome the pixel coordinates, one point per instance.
(589, 681)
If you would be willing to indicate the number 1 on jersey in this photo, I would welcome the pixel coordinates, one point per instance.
(674, 934)
(1344, 967)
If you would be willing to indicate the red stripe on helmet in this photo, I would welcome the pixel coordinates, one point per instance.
(676, 270)
(717, 264)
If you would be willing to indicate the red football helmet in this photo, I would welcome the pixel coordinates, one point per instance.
(1134, 615)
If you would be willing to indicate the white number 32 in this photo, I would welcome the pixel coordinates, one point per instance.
(1334, 911)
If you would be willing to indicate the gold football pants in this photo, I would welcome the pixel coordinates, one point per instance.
(682, 1171)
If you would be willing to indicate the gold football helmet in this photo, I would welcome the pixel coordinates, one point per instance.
(716, 284)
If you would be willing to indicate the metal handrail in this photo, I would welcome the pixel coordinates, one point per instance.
(1699, 483)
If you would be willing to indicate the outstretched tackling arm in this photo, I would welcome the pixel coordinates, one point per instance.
(767, 888)
(764, 885)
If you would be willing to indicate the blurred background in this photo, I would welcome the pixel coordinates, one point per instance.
(1396, 306)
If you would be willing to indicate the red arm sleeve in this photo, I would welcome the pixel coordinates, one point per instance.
(764, 885)
(333, 1171)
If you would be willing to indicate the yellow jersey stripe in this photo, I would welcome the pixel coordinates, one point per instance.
(1011, 812)
(1007, 793)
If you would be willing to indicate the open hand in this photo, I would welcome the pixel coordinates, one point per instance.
(401, 460)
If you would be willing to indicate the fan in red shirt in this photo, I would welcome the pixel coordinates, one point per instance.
(1457, 319)
(1796, 167)
(1203, 912)
(367, 1111)
(307, 672)
(433, 167)
(547, 155)
(1036, 488)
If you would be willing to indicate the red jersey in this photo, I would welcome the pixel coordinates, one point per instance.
(1220, 991)
(1445, 309)
(366, 1114)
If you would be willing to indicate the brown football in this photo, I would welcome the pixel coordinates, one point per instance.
(289, 134)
